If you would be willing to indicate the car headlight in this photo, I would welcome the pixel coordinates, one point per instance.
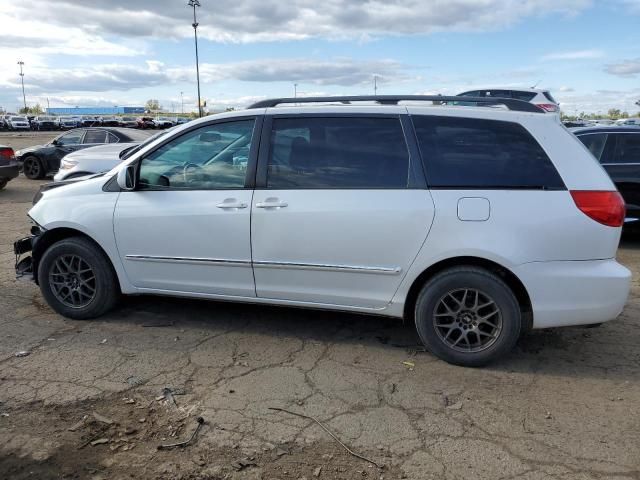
(68, 164)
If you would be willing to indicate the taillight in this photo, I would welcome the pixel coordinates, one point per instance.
(604, 207)
(6, 154)
(548, 107)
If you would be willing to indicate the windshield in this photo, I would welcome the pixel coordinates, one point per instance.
(127, 119)
(18, 119)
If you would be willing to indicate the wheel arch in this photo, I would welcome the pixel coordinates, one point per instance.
(510, 278)
(49, 237)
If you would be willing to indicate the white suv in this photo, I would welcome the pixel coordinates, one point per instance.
(476, 223)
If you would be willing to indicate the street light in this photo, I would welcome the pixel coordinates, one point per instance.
(182, 101)
(24, 98)
(295, 90)
(194, 4)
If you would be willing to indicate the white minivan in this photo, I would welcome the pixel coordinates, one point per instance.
(476, 223)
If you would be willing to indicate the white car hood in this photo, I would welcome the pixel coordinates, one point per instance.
(101, 151)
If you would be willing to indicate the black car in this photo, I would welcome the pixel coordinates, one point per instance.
(618, 150)
(44, 123)
(42, 160)
(8, 165)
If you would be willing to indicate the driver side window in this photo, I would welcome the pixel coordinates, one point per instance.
(213, 157)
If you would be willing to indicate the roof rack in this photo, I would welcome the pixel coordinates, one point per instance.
(510, 103)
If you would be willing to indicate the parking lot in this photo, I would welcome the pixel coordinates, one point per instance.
(95, 399)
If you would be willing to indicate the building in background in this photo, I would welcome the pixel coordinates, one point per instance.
(95, 110)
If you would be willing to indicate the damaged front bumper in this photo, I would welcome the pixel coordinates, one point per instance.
(25, 265)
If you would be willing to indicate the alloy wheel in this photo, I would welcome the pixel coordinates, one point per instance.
(31, 167)
(467, 320)
(73, 281)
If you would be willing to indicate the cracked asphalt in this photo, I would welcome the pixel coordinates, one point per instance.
(564, 405)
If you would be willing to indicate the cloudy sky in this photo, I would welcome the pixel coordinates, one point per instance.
(123, 52)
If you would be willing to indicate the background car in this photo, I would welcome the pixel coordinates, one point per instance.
(541, 98)
(99, 159)
(145, 122)
(42, 160)
(18, 123)
(66, 123)
(628, 122)
(164, 122)
(127, 122)
(44, 123)
(110, 122)
(88, 121)
(9, 167)
(618, 150)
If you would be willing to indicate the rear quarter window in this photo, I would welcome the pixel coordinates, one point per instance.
(469, 153)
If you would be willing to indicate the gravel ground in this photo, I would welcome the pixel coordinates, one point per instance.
(564, 405)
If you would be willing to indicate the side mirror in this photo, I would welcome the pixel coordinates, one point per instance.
(127, 178)
(55, 142)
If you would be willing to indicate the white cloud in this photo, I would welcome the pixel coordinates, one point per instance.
(269, 20)
(574, 55)
(110, 77)
(626, 68)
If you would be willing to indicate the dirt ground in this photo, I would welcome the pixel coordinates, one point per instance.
(96, 399)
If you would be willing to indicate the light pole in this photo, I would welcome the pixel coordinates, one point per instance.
(194, 4)
(182, 101)
(295, 90)
(375, 85)
(24, 98)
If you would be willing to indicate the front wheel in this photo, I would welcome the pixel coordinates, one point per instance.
(468, 316)
(77, 279)
(3, 183)
(33, 168)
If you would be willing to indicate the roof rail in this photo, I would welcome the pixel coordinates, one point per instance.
(510, 103)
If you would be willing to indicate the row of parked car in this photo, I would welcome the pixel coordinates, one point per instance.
(49, 123)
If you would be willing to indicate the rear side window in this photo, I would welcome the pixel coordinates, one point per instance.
(482, 154)
(627, 148)
(310, 152)
(95, 136)
(595, 143)
(549, 97)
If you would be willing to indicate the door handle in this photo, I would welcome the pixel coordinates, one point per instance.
(271, 204)
(229, 205)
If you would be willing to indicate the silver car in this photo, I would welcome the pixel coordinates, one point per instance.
(98, 159)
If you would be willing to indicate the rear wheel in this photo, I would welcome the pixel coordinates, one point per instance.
(3, 183)
(33, 168)
(77, 279)
(468, 316)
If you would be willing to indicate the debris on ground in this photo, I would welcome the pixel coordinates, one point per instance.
(321, 425)
(134, 381)
(243, 463)
(317, 472)
(23, 353)
(79, 424)
(102, 419)
(104, 340)
(200, 421)
(409, 365)
(455, 406)
(99, 441)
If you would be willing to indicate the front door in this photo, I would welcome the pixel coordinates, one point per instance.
(186, 227)
(339, 217)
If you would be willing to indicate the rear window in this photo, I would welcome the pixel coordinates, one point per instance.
(337, 153)
(482, 154)
(525, 96)
(549, 97)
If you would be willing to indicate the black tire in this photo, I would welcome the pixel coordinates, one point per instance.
(104, 283)
(447, 313)
(3, 183)
(33, 167)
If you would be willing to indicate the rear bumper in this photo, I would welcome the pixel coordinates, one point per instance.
(575, 292)
(9, 171)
